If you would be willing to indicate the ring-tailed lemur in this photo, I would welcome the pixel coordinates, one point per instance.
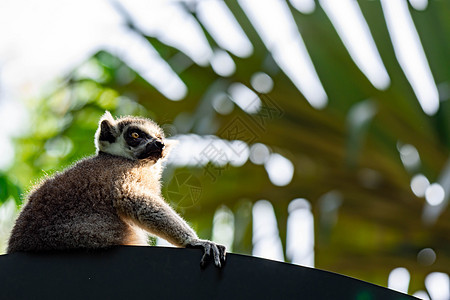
(109, 198)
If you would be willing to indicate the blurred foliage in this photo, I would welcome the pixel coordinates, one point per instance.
(377, 223)
(9, 189)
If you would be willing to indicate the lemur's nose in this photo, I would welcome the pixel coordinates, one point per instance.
(159, 145)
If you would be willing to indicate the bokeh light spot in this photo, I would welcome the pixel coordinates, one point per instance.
(426, 257)
(419, 184)
(261, 82)
(435, 194)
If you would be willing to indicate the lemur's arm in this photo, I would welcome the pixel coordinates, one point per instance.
(156, 216)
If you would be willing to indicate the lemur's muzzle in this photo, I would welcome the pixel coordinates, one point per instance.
(152, 150)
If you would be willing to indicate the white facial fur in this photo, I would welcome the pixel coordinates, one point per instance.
(118, 148)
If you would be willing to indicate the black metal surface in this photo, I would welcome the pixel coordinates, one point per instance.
(170, 273)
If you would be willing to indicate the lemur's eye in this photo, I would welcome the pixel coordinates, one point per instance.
(135, 135)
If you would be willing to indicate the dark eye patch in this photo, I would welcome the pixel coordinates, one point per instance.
(134, 142)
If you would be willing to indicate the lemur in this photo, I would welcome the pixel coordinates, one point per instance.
(108, 199)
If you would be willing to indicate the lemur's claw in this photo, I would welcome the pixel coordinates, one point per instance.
(210, 249)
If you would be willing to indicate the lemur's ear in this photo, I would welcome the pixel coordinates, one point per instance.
(106, 131)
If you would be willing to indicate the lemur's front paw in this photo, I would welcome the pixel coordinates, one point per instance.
(210, 249)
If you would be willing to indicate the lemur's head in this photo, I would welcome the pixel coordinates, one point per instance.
(131, 137)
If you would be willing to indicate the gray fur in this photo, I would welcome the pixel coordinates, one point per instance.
(107, 199)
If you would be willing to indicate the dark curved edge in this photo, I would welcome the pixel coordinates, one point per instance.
(127, 272)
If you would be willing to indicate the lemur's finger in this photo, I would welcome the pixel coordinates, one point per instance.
(223, 252)
(216, 254)
(206, 254)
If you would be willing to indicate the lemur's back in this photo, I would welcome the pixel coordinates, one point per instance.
(72, 210)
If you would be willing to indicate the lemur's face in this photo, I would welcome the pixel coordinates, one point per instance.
(141, 143)
(133, 138)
